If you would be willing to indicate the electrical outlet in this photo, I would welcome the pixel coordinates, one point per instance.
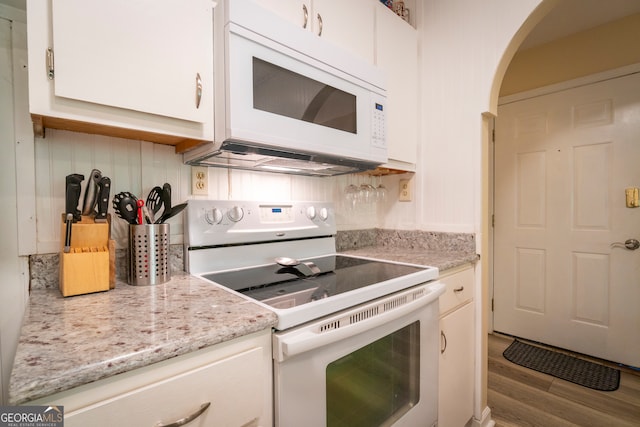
(405, 190)
(199, 180)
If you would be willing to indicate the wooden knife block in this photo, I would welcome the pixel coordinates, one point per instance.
(89, 266)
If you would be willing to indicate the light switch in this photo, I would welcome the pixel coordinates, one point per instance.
(633, 199)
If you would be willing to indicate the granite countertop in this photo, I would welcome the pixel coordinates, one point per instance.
(444, 260)
(67, 342)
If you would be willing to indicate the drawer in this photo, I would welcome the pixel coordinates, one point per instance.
(460, 289)
(234, 387)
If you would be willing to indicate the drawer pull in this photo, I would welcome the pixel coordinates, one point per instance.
(188, 419)
(460, 289)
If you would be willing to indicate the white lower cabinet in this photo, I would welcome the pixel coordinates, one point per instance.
(230, 384)
(457, 347)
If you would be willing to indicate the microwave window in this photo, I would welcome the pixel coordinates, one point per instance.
(283, 92)
(376, 384)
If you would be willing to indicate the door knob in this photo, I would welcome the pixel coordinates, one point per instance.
(631, 244)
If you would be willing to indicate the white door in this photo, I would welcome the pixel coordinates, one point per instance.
(562, 163)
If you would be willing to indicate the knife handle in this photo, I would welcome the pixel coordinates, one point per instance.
(91, 192)
(72, 195)
(103, 199)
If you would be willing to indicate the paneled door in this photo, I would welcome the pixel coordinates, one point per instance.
(562, 164)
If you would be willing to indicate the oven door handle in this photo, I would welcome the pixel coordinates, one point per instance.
(306, 339)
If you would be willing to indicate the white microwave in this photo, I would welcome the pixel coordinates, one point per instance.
(287, 101)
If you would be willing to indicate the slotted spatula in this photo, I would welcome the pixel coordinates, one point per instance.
(125, 206)
(155, 202)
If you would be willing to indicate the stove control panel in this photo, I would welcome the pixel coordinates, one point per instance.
(224, 222)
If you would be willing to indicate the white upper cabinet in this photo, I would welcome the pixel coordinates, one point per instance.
(348, 24)
(397, 54)
(129, 64)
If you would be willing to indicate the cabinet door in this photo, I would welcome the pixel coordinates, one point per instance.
(349, 24)
(397, 55)
(233, 387)
(456, 379)
(140, 55)
(291, 10)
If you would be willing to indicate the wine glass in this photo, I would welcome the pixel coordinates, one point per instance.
(381, 191)
(351, 195)
(366, 192)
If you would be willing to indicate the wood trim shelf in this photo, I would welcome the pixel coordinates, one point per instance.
(181, 144)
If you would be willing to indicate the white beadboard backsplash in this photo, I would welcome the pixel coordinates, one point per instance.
(138, 166)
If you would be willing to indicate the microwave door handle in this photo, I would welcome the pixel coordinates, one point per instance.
(309, 339)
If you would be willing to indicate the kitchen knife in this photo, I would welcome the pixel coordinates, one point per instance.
(103, 199)
(67, 238)
(72, 195)
(91, 192)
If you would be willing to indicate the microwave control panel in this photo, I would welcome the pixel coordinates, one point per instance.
(378, 125)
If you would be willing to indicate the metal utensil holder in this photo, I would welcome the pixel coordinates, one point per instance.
(149, 254)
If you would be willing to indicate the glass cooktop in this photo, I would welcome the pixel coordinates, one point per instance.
(285, 287)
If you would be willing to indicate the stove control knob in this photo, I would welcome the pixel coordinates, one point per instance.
(324, 214)
(311, 212)
(235, 214)
(213, 216)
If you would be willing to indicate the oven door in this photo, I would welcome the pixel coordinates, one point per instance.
(374, 365)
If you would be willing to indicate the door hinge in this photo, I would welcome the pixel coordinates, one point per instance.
(50, 64)
(493, 135)
(492, 304)
(493, 220)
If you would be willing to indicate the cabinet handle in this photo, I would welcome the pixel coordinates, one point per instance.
(188, 419)
(305, 14)
(460, 289)
(319, 25)
(198, 90)
(443, 341)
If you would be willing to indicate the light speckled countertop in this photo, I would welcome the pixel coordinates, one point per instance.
(444, 260)
(67, 342)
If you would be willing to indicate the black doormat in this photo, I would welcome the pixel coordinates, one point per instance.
(563, 366)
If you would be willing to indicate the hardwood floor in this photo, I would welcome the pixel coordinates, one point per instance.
(523, 397)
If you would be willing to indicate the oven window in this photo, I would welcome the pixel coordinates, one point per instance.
(376, 384)
(281, 91)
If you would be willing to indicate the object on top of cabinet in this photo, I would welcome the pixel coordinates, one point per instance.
(122, 69)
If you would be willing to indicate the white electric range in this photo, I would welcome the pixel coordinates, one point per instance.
(341, 318)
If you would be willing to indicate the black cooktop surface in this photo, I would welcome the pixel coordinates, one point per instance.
(338, 274)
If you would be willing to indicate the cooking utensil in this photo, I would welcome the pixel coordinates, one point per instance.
(103, 199)
(91, 192)
(140, 204)
(72, 195)
(154, 201)
(173, 212)
(125, 205)
(148, 215)
(67, 238)
(166, 198)
(309, 269)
